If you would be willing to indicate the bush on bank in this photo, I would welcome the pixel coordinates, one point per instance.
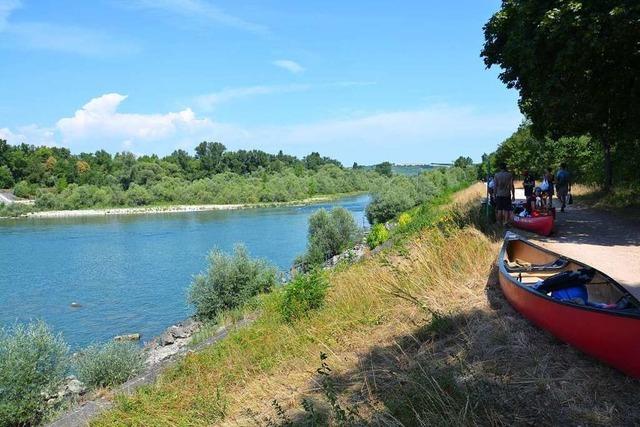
(304, 293)
(33, 363)
(229, 281)
(330, 233)
(109, 364)
(377, 236)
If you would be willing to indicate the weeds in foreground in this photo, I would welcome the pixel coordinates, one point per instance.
(338, 414)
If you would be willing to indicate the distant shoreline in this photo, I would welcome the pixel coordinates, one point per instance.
(145, 210)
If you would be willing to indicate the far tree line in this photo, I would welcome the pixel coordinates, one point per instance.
(57, 167)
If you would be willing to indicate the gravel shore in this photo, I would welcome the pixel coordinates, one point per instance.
(166, 209)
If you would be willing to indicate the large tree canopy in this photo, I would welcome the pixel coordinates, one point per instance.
(576, 65)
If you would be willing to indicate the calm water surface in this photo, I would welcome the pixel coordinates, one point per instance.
(130, 273)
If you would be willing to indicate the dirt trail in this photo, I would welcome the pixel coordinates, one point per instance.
(601, 239)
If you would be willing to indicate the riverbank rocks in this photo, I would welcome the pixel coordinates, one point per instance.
(171, 341)
(71, 389)
(350, 255)
(127, 337)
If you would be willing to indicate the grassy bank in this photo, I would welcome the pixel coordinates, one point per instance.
(416, 335)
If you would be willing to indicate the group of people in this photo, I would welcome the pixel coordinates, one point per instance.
(502, 191)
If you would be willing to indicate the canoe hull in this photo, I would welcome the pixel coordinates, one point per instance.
(542, 225)
(611, 337)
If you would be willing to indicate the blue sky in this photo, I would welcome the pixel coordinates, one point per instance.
(361, 81)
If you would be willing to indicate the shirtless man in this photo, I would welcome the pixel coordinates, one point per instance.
(505, 193)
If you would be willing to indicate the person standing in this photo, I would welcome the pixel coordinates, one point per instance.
(528, 184)
(548, 177)
(563, 185)
(491, 186)
(505, 192)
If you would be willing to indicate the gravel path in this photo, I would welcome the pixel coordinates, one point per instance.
(601, 239)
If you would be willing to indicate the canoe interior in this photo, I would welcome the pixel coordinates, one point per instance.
(601, 289)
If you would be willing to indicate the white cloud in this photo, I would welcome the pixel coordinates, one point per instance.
(30, 134)
(100, 124)
(200, 11)
(436, 133)
(289, 65)
(208, 101)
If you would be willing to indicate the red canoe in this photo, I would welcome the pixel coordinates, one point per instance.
(609, 334)
(542, 224)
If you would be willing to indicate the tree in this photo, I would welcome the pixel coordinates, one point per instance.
(384, 168)
(463, 162)
(576, 65)
(6, 179)
(210, 156)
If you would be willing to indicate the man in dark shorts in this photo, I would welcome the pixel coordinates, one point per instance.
(563, 185)
(505, 192)
(528, 184)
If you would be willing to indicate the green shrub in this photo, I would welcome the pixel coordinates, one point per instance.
(109, 364)
(138, 195)
(305, 292)
(377, 236)
(621, 197)
(229, 282)
(330, 233)
(14, 209)
(6, 178)
(404, 219)
(23, 189)
(33, 362)
(387, 204)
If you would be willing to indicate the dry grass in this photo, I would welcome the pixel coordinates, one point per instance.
(419, 335)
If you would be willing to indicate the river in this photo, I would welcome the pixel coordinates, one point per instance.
(130, 273)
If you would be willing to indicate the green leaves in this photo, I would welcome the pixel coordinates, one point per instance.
(33, 361)
(330, 233)
(229, 282)
(576, 65)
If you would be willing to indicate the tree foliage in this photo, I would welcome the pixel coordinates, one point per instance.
(576, 65)
(384, 168)
(404, 192)
(583, 156)
(60, 180)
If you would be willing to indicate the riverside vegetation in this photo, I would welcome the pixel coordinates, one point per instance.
(34, 363)
(415, 335)
(232, 284)
(57, 179)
